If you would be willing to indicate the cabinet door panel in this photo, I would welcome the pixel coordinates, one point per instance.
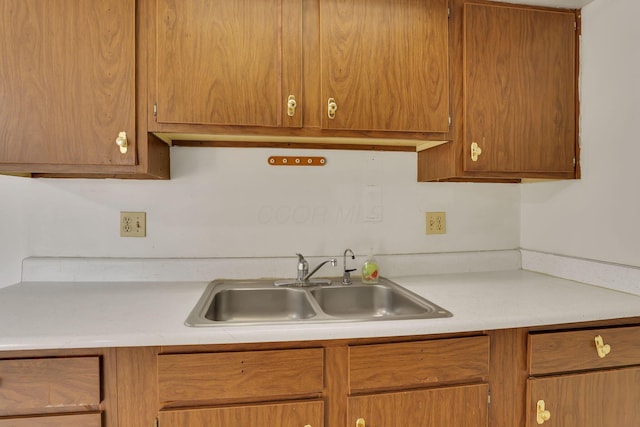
(433, 407)
(519, 90)
(281, 415)
(229, 62)
(67, 81)
(386, 64)
(597, 399)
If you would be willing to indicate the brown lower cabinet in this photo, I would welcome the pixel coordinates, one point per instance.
(577, 375)
(584, 377)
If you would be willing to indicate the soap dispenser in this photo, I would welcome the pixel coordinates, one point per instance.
(370, 272)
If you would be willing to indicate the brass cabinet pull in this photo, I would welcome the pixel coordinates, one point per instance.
(360, 422)
(475, 151)
(122, 142)
(291, 109)
(542, 414)
(602, 348)
(332, 107)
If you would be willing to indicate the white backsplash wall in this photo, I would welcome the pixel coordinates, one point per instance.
(598, 217)
(231, 203)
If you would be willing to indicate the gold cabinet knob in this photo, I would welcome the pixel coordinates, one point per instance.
(291, 109)
(360, 422)
(542, 414)
(122, 142)
(475, 151)
(332, 107)
(602, 348)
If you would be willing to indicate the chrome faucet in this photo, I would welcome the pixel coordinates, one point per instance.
(303, 276)
(333, 262)
(346, 276)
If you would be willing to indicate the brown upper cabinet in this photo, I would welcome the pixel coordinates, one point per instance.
(68, 90)
(385, 65)
(301, 71)
(518, 96)
(226, 62)
(483, 91)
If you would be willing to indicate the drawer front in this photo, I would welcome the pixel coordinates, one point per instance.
(85, 420)
(240, 375)
(36, 386)
(296, 414)
(400, 365)
(568, 351)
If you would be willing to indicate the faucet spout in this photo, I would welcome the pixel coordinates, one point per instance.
(333, 262)
(346, 276)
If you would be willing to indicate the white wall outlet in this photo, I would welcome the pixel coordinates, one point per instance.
(133, 224)
(436, 223)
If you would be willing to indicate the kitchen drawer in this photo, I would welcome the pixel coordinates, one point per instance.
(40, 386)
(413, 364)
(245, 376)
(568, 351)
(83, 420)
(291, 414)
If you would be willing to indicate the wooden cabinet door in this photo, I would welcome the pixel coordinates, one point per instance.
(519, 89)
(597, 399)
(278, 415)
(67, 81)
(385, 62)
(229, 62)
(462, 406)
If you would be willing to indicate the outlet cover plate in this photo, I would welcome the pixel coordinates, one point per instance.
(133, 224)
(436, 223)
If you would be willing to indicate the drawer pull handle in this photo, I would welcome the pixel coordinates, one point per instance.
(542, 414)
(602, 348)
(360, 422)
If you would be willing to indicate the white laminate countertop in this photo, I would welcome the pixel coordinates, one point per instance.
(50, 315)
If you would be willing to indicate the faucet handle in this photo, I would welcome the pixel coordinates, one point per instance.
(303, 268)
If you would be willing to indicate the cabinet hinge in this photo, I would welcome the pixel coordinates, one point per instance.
(155, 109)
(156, 422)
(575, 26)
(448, 12)
(574, 162)
(488, 399)
(450, 121)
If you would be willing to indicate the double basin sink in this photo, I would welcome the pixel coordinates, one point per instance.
(226, 302)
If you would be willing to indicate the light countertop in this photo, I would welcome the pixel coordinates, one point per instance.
(49, 315)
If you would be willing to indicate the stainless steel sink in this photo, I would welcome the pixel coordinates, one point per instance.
(259, 305)
(226, 302)
(367, 301)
